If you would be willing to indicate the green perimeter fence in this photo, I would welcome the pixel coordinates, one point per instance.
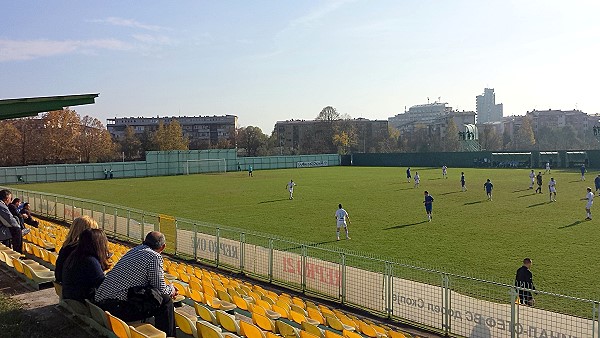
(162, 163)
(444, 302)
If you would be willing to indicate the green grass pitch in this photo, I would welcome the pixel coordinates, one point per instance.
(468, 234)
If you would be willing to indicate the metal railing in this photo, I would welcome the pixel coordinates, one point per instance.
(436, 300)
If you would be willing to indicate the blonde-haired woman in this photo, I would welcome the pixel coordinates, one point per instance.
(79, 225)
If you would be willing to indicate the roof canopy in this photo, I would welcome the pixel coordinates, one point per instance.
(31, 106)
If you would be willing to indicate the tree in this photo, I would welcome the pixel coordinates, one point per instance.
(130, 144)
(95, 143)
(10, 142)
(329, 114)
(489, 139)
(252, 139)
(524, 138)
(451, 141)
(170, 137)
(60, 136)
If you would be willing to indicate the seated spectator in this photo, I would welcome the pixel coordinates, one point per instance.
(83, 270)
(135, 288)
(15, 208)
(15, 238)
(79, 225)
(27, 218)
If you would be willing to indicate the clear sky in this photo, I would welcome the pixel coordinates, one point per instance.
(275, 60)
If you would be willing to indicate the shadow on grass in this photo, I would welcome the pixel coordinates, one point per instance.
(272, 201)
(521, 190)
(532, 194)
(433, 179)
(537, 204)
(404, 225)
(476, 202)
(571, 225)
(409, 188)
(576, 181)
(448, 193)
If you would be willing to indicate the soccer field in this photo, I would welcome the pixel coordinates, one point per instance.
(468, 234)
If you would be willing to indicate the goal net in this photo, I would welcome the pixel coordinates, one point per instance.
(217, 165)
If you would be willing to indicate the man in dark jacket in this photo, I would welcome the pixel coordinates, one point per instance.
(524, 279)
(9, 221)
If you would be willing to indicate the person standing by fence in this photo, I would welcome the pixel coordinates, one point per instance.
(524, 280)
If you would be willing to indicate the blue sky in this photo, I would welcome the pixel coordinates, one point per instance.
(275, 60)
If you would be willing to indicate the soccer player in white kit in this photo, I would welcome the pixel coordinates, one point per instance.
(532, 177)
(341, 216)
(290, 187)
(590, 200)
(445, 171)
(552, 188)
(417, 179)
(547, 167)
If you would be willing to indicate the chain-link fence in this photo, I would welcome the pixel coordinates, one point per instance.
(432, 299)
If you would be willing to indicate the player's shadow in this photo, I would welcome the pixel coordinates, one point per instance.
(537, 204)
(532, 194)
(521, 190)
(404, 225)
(576, 181)
(272, 201)
(571, 225)
(409, 188)
(471, 203)
(433, 179)
(448, 193)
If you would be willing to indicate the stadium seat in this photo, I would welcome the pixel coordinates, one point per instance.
(368, 330)
(281, 311)
(351, 334)
(315, 314)
(227, 321)
(395, 334)
(38, 277)
(263, 322)
(287, 330)
(122, 330)
(250, 330)
(76, 307)
(241, 303)
(334, 323)
(186, 324)
(145, 332)
(208, 330)
(205, 313)
(98, 314)
(312, 329)
(299, 318)
(197, 296)
(58, 289)
(305, 334)
(331, 334)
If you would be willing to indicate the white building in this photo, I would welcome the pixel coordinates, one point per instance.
(487, 110)
(422, 113)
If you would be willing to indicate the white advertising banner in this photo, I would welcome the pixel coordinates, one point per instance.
(311, 164)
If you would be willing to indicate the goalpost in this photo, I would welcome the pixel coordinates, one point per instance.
(215, 165)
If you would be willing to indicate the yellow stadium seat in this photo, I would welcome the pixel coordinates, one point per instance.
(351, 334)
(331, 334)
(312, 329)
(315, 314)
(227, 321)
(205, 313)
(241, 303)
(197, 296)
(287, 330)
(144, 331)
(305, 334)
(223, 295)
(281, 311)
(263, 322)
(185, 323)
(122, 330)
(250, 330)
(334, 323)
(395, 334)
(367, 330)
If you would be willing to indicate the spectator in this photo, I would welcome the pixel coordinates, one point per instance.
(524, 279)
(135, 288)
(14, 210)
(9, 221)
(83, 270)
(79, 225)
(110, 174)
(27, 218)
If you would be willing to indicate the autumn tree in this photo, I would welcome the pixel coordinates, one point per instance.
(328, 114)
(95, 143)
(344, 136)
(10, 142)
(451, 141)
(60, 136)
(389, 141)
(170, 137)
(489, 139)
(524, 138)
(130, 144)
